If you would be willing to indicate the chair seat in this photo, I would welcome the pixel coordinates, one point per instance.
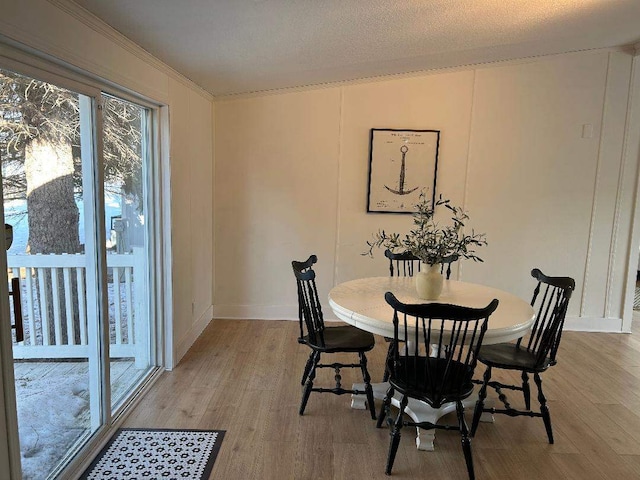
(345, 338)
(410, 378)
(510, 357)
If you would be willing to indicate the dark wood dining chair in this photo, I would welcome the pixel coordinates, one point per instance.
(325, 340)
(532, 354)
(457, 332)
(448, 261)
(405, 264)
(402, 264)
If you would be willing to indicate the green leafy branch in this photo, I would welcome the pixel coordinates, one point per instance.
(429, 241)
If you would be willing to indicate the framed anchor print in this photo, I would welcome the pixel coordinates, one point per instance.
(402, 163)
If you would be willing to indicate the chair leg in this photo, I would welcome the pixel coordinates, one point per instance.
(384, 409)
(390, 351)
(307, 367)
(466, 442)
(309, 385)
(543, 408)
(526, 391)
(395, 435)
(367, 385)
(482, 394)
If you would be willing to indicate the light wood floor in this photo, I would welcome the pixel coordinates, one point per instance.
(243, 377)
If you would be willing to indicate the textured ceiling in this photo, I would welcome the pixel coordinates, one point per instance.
(239, 46)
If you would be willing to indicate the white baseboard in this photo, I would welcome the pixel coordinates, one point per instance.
(593, 324)
(185, 343)
(258, 312)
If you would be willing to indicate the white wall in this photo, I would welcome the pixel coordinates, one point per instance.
(277, 172)
(191, 124)
(64, 31)
(291, 179)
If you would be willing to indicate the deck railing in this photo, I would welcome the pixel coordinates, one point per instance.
(55, 298)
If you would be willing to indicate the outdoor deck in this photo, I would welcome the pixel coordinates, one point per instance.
(58, 303)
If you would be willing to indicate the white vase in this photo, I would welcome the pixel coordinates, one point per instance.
(429, 282)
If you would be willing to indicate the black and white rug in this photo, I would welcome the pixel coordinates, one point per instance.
(135, 453)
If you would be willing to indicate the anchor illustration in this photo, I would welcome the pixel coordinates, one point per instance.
(401, 191)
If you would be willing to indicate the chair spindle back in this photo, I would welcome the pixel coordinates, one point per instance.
(453, 331)
(403, 264)
(309, 309)
(550, 301)
(406, 264)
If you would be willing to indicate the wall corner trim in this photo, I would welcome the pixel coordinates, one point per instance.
(187, 341)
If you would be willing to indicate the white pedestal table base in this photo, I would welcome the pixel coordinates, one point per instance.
(418, 411)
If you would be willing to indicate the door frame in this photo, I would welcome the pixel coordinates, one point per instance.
(632, 156)
(9, 441)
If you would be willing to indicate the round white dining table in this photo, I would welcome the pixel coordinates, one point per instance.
(361, 303)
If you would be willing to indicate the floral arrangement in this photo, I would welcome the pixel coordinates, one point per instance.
(429, 241)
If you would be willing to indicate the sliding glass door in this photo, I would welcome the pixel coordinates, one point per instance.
(127, 150)
(78, 261)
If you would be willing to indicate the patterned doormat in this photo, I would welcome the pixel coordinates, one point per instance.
(136, 453)
(636, 298)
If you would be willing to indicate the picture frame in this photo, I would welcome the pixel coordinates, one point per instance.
(402, 164)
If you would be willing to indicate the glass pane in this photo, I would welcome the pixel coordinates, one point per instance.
(41, 133)
(125, 146)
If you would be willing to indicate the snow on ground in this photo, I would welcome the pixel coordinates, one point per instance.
(53, 408)
(53, 412)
